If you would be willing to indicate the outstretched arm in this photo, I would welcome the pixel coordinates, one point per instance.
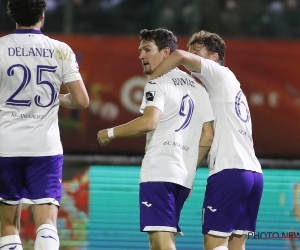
(136, 127)
(190, 61)
(205, 142)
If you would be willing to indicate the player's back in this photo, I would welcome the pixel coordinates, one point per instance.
(172, 148)
(32, 69)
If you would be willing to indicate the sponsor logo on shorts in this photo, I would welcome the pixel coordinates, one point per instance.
(147, 204)
(211, 209)
(11, 248)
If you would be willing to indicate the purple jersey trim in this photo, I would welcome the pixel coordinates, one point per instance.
(26, 31)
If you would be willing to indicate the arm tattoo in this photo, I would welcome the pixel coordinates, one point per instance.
(203, 152)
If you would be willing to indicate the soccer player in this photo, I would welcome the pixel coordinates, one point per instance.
(235, 182)
(175, 111)
(32, 69)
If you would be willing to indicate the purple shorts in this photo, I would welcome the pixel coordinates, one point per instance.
(231, 202)
(33, 180)
(160, 206)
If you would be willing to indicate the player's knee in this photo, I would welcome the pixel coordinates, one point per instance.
(220, 248)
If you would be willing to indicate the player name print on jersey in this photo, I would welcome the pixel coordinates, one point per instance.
(182, 81)
(19, 51)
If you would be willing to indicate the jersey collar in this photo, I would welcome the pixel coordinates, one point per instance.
(27, 31)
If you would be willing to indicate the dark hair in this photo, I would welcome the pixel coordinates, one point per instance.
(26, 12)
(212, 42)
(162, 37)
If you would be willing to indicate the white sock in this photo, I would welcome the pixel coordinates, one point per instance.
(221, 248)
(11, 242)
(46, 238)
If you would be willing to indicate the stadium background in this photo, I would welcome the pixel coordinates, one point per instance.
(100, 185)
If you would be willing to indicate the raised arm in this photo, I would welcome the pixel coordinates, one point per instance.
(205, 142)
(77, 97)
(190, 61)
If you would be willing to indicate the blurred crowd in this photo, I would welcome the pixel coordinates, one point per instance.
(230, 18)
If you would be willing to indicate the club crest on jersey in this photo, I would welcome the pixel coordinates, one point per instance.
(150, 96)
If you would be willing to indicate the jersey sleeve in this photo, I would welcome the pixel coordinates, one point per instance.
(212, 72)
(154, 95)
(70, 66)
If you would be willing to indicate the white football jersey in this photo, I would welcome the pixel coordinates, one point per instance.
(172, 148)
(32, 69)
(232, 145)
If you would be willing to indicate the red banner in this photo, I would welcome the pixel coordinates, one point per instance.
(269, 77)
(114, 78)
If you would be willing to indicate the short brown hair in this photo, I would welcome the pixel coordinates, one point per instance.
(212, 42)
(162, 37)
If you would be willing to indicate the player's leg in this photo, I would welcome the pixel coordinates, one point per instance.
(162, 241)
(45, 217)
(246, 222)
(10, 226)
(43, 190)
(237, 242)
(211, 242)
(11, 174)
(225, 199)
(10, 219)
(160, 206)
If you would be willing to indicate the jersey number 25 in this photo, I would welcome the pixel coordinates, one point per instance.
(26, 80)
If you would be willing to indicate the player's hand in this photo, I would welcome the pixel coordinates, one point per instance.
(102, 137)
